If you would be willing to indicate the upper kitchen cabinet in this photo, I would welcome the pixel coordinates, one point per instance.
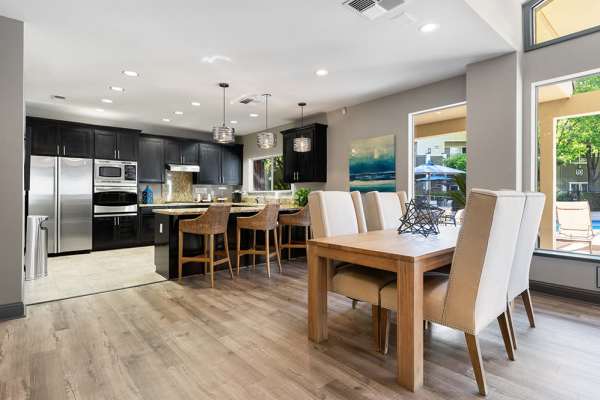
(151, 164)
(53, 138)
(189, 153)
(231, 165)
(115, 145)
(210, 164)
(183, 152)
(172, 152)
(309, 166)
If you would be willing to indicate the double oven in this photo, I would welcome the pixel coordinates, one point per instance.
(115, 203)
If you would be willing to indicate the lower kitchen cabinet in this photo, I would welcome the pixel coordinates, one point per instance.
(115, 232)
(147, 221)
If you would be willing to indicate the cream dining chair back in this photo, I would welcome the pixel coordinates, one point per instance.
(384, 210)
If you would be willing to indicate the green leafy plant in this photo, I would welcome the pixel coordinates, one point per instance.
(459, 197)
(301, 196)
(457, 161)
(578, 138)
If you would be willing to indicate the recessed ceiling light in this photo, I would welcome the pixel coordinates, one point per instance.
(322, 72)
(130, 73)
(178, 113)
(116, 88)
(166, 120)
(195, 104)
(427, 28)
(215, 58)
(253, 115)
(107, 101)
(100, 109)
(233, 122)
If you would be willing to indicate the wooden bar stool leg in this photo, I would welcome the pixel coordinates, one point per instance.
(267, 255)
(237, 246)
(180, 254)
(280, 236)
(212, 260)
(277, 250)
(205, 237)
(227, 254)
(306, 240)
(254, 248)
(289, 249)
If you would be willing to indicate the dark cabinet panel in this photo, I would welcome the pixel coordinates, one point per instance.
(127, 227)
(45, 140)
(310, 166)
(147, 221)
(127, 146)
(151, 164)
(105, 234)
(210, 164)
(105, 144)
(76, 141)
(231, 165)
(189, 153)
(172, 152)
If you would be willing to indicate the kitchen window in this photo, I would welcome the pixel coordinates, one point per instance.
(267, 174)
(546, 22)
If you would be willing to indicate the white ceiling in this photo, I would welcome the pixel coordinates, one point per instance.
(79, 48)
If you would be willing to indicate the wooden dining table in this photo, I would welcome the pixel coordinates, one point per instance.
(409, 256)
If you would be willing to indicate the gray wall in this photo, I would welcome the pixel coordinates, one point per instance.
(494, 122)
(11, 168)
(384, 116)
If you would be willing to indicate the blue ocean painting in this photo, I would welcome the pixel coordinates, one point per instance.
(373, 164)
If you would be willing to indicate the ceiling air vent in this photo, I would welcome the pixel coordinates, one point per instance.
(247, 99)
(373, 9)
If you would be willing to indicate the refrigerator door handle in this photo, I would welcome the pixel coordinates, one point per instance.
(57, 205)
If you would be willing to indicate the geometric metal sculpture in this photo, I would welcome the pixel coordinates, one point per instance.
(421, 218)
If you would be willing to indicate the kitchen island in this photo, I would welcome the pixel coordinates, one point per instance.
(166, 238)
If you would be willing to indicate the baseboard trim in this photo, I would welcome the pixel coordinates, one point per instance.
(590, 296)
(12, 311)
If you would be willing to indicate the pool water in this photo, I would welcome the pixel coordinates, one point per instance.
(596, 224)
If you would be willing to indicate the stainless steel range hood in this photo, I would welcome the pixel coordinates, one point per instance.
(183, 168)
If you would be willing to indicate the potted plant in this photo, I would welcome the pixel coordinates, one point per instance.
(301, 197)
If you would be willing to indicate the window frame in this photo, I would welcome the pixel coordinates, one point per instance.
(529, 27)
(251, 175)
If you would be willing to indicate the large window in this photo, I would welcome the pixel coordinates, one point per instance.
(568, 123)
(552, 21)
(267, 174)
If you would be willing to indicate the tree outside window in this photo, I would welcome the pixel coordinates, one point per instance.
(267, 175)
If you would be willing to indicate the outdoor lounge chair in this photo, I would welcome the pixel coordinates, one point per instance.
(574, 222)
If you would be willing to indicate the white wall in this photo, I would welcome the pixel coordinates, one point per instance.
(494, 123)
(11, 166)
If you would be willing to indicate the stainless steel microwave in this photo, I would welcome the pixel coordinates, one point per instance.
(115, 173)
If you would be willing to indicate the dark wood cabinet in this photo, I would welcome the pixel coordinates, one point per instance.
(45, 140)
(147, 222)
(53, 138)
(231, 165)
(181, 152)
(115, 232)
(151, 164)
(172, 152)
(189, 153)
(309, 166)
(76, 141)
(115, 145)
(210, 164)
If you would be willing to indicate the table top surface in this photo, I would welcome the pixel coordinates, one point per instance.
(389, 244)
(202, 210)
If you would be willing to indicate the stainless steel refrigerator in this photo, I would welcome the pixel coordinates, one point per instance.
(61, 188)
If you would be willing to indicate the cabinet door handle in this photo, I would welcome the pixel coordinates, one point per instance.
(64, 150)
(118, 153)
(58, 150)
(115, 153)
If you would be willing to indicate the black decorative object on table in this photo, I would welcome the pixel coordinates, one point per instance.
(421, 218)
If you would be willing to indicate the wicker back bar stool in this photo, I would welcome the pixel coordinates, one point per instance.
(212, 222)
(265, 220)
(299, 219)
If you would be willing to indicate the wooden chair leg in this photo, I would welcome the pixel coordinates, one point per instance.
(276, 239)
(280, 236)
(475, 355)
(526, 296)
(205, 238)
(384, 330)
(267, 253)
(211, 251)
(180, 255)
(227, 254)
(510, 325)
(237, 247)
(508, 344)
(306, 239)
(254, 248)
(354, 303)
(289, 249)
(376, 326)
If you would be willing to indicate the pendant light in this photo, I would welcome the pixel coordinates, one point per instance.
(266, 140)
(302, 144)
(223, 133)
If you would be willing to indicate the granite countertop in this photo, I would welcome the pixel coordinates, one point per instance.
(197, 211)
(193, 204)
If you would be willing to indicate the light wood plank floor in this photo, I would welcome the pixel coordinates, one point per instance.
(246, 339)
(99, 271)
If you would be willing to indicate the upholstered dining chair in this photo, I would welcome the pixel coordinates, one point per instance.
(341, 213)
(384, 210)
(474, 294)
(519, 276)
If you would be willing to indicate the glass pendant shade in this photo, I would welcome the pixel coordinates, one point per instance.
(223, 133)
(302, 144)
(266, 140)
